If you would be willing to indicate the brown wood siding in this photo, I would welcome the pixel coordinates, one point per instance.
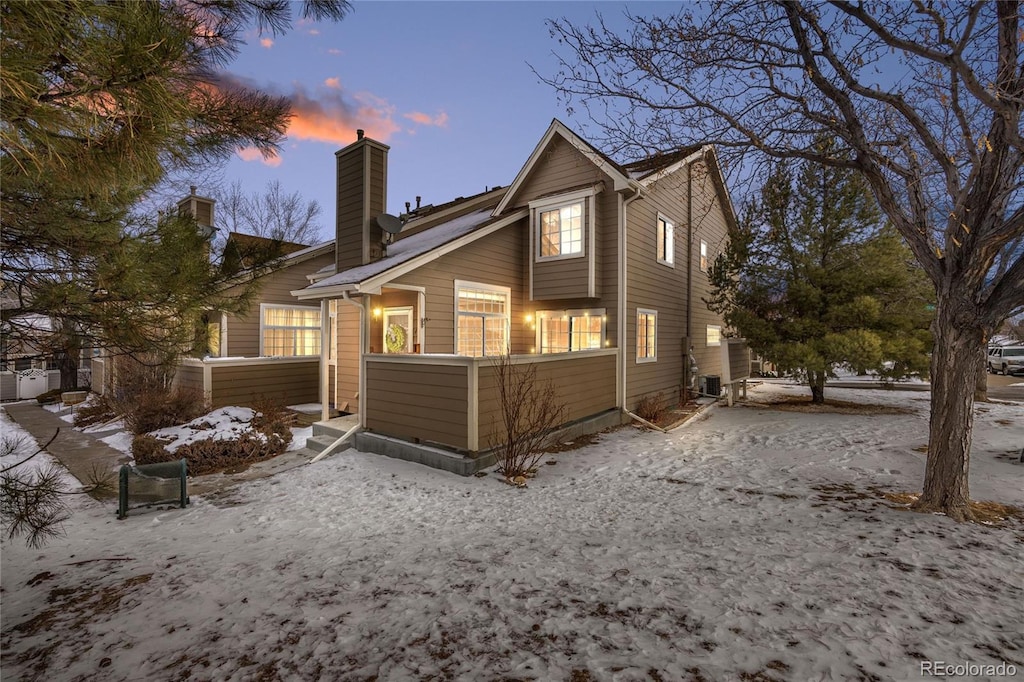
(346, 388)
(496, 260)
(288, 383)
(652, 285)
(739, 360)
(416, 401)
(395, 298)
(378, 191)
(189, 377)
(243, 331)
(586, 385)
(709, 225)
(568, 278)
(349, 216)
(204, 212)
(561, 167)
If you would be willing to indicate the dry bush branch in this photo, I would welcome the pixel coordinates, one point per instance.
(529, 409)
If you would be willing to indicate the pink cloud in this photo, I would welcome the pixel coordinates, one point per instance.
(331, 114)
(335, 51)
(418, 117)
(313, 32)
(266, 42)
(253, 154)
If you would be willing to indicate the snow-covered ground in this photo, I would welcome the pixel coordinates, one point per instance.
(748, 545)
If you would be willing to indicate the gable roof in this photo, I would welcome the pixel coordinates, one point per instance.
(607, 165)
(410, 253)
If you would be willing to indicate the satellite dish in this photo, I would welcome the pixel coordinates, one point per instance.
(389, 223)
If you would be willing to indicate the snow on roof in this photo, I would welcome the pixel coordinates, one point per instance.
(410, 247)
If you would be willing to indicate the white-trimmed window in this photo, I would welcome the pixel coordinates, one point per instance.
(646, 335)
(703, 256)
(665, 235)
(561, 231)
(561, 225)
(562, 331)
(289, 330)
(714, 335)
(482, 319)
(214, 334)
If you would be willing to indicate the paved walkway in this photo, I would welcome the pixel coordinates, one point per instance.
(88, 458)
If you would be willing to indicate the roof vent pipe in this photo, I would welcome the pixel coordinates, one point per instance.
(359, 134)
(418, 200)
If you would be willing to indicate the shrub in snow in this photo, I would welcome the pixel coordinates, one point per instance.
(223, 439)
(651, 408)
(528, 409)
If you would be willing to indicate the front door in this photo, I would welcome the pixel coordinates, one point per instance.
(398, 330)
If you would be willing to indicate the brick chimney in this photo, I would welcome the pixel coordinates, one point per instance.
(362, 196)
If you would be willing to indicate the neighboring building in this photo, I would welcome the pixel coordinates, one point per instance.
(594, 271)
(273, 349)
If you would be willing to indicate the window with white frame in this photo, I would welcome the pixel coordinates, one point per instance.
(213, 335)
(714, 335)
(482, 319)
(703, 256)
(562, 331)
(646, 335)
(289, 330)
(560, 231)
(666, 241)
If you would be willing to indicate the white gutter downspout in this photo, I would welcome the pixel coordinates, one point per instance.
(325, 353)
(620, 389)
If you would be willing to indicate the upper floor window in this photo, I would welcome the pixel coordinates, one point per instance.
(714, 335)
(561, 331)
(666, 241)
(563, 225)
(646, 335)
(289, 330)
(561, 231)
(703, 256)
(482, 313)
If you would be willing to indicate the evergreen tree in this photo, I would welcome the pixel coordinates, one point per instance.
(100, 101)
(816, 281)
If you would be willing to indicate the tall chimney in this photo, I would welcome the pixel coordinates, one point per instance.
(362, 176)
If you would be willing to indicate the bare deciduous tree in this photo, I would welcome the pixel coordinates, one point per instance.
(272, 213)
(925, 101)
(528, 409)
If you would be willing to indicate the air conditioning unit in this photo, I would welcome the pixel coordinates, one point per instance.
(711, 384)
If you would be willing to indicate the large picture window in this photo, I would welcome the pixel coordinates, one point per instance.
(289, 330)
(482, 313)
(561, 331)
(666, 241)
(561, 231)
(646, 335)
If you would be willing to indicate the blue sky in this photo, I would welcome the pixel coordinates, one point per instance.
(448, 85)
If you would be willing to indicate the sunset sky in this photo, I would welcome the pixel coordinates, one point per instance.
(448, 85)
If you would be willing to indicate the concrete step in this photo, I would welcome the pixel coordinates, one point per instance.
(322, 442)
(336, 427)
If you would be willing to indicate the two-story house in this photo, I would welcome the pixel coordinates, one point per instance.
(593, 270)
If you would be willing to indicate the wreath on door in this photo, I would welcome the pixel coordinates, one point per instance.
(395, 338)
